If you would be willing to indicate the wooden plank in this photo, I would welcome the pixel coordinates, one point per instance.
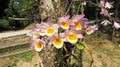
(19, 18)
(13, 33)
(14, 41)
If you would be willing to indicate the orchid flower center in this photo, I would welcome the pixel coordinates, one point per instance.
(38, 44)
(88, 31)
(50, 31)
(72, 36)
(35, 35)
(58, 41)
(77, 24)
(65, 25)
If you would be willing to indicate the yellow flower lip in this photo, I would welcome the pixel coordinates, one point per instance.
(58, 42)
(35, 35)
(78, 25)
(72, 37)
(39, 45)
(88, 31)
(50, 31)
(65, 24)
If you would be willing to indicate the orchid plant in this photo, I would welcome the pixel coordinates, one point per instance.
(109, 22)
(66, 30)
(105, 7)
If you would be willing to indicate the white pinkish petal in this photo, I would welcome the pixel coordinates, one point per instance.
(63, 36)
(56, 26)
(106, 22)
(105, 12)
(51, 38)
(38, 25)
(77, 17)
(116, 25)
(67, 17)
(36, 30)
(50, 43)
(49, 21)
(94, 27)
(80, 36)
(108, 5)
(42, 33)
(73, 27)
(102, 4)
(63, 19)
(31, 43)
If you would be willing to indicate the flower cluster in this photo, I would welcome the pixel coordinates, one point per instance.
(105, 6)
(67, 29)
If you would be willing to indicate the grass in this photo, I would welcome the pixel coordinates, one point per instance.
(26, 56)
(104, 65)
(99, 56)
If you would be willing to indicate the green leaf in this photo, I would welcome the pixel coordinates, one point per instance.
(80, 46)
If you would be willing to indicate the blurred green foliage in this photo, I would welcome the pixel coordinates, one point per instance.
(19, 9)
(4, 23)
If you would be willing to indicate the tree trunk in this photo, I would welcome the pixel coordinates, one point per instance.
(52, 8)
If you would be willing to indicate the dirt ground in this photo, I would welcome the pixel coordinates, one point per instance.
(106, 53)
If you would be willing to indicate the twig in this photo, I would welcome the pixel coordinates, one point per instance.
(92, 3)
(69, 7)
(78, 7)
(90, 51)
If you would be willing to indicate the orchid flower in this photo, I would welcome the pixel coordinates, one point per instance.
(108, 5)
(91, 29)
(37, 44)
(34, 33)
(116, 25)
(64, 22)
(56, 40)
(102, 4)
(78, 21)
(48, 28)
(72, 36)
(105, 12)
(106, 22)
(51, 28)
(42, 27)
